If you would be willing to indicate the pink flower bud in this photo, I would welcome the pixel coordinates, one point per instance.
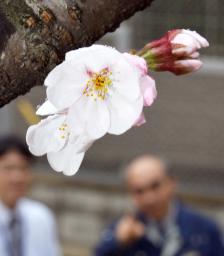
(176, 51)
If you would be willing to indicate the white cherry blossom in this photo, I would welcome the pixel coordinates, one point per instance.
(96, 90)
(99, 88)
(52, 136)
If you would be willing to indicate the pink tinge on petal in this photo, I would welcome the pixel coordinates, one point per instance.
(149, 91)
(180, 67)
(161, 47)
(168, 37)
(186, 66)
(184, 51)
(159, 51)
(163, 40)
(195, 55)
(186, 40)
(162, 53)
(173, 33)
(141, 120)
(137, 62)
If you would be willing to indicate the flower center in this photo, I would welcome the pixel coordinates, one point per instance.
(98, 84)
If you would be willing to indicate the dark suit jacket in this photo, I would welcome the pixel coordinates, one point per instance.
(200, 237)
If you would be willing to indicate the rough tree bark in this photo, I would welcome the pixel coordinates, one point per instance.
(35, 34)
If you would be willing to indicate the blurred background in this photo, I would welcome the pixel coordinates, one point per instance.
(185, 125)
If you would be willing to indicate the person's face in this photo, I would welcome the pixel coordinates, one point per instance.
(15, 177)
(151, 189)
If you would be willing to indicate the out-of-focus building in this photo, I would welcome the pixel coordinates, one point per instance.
(185, 125)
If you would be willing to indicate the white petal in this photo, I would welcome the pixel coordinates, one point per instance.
(46, 109)
(82, 143)
(53, 76)
(91, 115)
(187, 66)
(123, 113)
(67, 86)
(95, 57)
(137, 62)
(187, 40)
(126, 80)
(78, 54)
(201, 40)
(141, 120)
(66, 160)
(101, 57)
(45, 136)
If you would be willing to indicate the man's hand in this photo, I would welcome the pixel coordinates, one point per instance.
(129, 230)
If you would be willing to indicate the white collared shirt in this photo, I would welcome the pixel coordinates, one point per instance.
(39, 234)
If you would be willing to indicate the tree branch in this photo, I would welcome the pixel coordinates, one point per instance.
(36, 34)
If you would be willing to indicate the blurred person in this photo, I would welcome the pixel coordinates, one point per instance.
(162, 226)
(27, 227)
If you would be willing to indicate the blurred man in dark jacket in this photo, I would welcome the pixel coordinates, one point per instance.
(161, 226)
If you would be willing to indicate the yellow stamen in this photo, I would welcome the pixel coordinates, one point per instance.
(64, 133)
(98, 85)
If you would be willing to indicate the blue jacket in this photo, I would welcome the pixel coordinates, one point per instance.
(199, 237)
